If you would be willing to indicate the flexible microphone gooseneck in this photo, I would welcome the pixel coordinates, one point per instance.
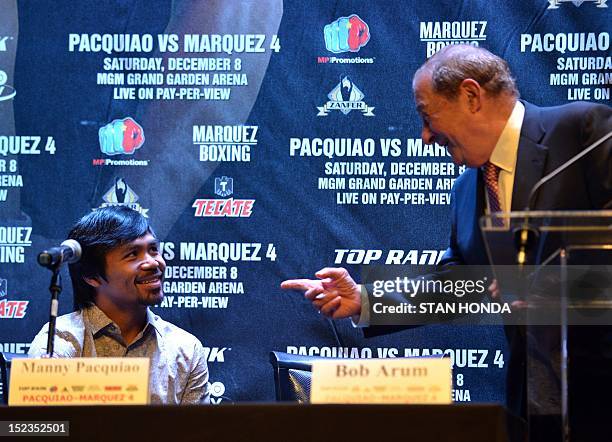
(526, 236)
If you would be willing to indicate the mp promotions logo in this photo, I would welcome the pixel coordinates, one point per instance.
(346, 34)
(122, 195)
(345, 97)
(122, 136)
(10, 309)
(223, 207)
(554, 4)
(7, 91)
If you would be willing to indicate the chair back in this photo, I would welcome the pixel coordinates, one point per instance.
(292, 376)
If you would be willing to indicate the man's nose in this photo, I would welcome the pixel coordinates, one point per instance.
(427, 135)
(150, 262)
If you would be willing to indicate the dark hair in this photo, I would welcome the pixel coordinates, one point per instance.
(454, 63)
(99, 232)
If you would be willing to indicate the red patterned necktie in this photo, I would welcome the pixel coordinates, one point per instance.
(491, 175)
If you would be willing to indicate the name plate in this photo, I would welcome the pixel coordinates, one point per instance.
(382, 381)
(79, 381)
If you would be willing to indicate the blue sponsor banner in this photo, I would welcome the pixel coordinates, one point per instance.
(264, 141)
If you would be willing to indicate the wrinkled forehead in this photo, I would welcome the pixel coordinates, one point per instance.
(421, 77)
(423, 92)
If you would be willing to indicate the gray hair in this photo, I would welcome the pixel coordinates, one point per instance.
(454, 63)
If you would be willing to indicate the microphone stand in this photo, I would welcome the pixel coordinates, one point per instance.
(69, 252)
(55, 287)
(526, 235)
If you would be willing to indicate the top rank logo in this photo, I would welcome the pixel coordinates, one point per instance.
(346, 34)
(221, 208)
(215, 354)
(554, 4)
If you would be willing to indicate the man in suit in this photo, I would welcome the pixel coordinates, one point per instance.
(469, 102)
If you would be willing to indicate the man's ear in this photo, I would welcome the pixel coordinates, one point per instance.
(94, 282)
(473, 93)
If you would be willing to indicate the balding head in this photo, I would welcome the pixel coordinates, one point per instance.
(454, 63)
(465, 96)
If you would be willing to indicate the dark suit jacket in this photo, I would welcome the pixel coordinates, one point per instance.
(550, 136)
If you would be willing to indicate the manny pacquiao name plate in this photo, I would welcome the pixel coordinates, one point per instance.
(79, 381)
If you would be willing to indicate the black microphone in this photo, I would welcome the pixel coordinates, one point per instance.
(68, 252)
(526, 236)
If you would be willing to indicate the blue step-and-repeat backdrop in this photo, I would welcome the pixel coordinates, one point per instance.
(264, 140)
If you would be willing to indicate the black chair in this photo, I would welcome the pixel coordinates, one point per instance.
(292, 375)
(5, 371)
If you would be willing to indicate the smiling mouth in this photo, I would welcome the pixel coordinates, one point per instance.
(150, 279)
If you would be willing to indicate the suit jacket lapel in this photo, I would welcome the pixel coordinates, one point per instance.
(531, 157)
(470, 207)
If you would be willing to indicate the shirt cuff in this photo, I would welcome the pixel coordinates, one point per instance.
(363, 320)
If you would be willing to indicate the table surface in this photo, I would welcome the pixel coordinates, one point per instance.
(278, 422)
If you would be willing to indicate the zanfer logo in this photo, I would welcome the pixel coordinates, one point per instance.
(345, 97)
(554, 4)
(122, 195)
(346, 34)
(6, 91)
(123, 136)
